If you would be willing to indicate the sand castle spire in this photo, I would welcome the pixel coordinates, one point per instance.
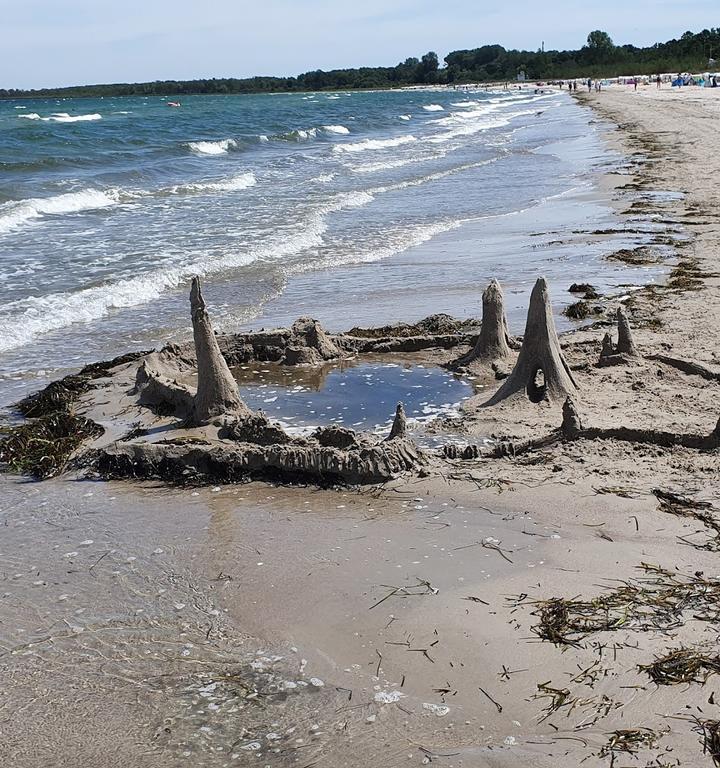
(540, 371)
(571, 420)
(399, 426)
(625, 344)
(217, 391)
(492, 343)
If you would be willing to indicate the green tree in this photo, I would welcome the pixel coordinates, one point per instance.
(600, 41)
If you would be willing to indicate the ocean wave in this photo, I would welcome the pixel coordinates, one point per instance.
(433, 108)
(24, 320)
(436, 176)
(374, 144)
(470, 129)
(405, 117)
(339, 129)
(220, 147)
(387, 165)
(395, 243)
(234, 184)
(302, 134)
(62, 117)
(15, 214)
(324, 178)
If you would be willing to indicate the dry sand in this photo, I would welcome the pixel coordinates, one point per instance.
(152, 627)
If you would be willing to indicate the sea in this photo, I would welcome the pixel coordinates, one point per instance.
(351, 207)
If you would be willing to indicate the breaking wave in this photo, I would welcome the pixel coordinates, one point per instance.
(374, 144)
(339, 129)
(234, 184)
(433, 108)
(15, 214)
(24, 320)
(212, 147)
(62, 117)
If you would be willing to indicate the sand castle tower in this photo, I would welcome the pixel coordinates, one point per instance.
(492, 343)
(540, 372)
(217, 390)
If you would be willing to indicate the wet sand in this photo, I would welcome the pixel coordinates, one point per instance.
(150, 626)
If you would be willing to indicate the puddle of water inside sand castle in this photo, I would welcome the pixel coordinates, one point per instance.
(360, 396)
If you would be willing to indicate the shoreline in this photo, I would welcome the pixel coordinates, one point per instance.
(442, 274)
(559, 522)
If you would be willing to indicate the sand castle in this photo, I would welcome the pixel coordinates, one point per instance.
(208, 434)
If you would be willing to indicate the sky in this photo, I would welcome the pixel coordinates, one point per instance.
(48, 43)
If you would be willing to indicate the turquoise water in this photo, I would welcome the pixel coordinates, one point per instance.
(285, 204)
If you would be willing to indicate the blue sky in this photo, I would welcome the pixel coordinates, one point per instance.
(67, 42)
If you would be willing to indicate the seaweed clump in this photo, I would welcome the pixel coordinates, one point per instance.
(42, 447)
(580, 310)
(628, 741)
(709, 731)
(61, 395)
(658, 600)
(682, 665)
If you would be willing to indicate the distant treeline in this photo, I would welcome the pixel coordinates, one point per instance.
(598, 58)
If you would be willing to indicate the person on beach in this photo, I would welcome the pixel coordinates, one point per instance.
(658, 81)
(589, 84)
(635, 83)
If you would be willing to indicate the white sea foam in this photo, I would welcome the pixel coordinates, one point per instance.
(62, 117)
(339, 129)
(433, 108)
(304, 135)
(374, 144)
(405, 117)
(212, 147)
(396, 243)
(387, 165)
(15, 214)
(324, 178)
(234, 184)
(23, 320)
(431, 177)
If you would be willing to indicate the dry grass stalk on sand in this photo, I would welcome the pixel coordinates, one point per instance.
(682, 665)
(659, 600)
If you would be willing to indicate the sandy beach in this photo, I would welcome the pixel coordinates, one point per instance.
(485, 613)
